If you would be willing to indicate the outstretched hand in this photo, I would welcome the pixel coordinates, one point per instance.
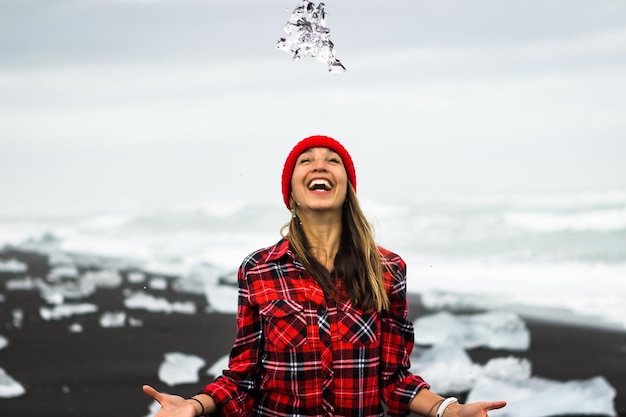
(480, 409)
(171, 405)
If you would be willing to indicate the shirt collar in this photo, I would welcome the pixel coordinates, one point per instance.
(280, 249)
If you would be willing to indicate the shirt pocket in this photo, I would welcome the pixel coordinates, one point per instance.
(357, 327)
(284, 323)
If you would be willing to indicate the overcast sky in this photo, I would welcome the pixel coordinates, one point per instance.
(123, 104)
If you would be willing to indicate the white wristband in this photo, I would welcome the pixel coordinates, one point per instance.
(444, 404)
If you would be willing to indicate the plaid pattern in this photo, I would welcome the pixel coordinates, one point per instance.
(299, 353)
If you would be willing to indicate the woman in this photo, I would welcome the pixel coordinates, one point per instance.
(322, 325)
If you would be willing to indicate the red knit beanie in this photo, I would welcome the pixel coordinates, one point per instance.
(316, 141)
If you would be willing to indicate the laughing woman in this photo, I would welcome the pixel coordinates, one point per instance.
(322, 326)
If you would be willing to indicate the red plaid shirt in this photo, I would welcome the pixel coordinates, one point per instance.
(299, 353)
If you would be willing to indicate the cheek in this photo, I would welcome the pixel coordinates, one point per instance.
(296, 184)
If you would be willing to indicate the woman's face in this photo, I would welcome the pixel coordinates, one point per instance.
(319, 181)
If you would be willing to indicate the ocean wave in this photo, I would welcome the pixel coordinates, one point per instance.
(602, 220)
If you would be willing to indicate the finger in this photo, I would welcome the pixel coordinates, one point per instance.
(494, 405)
(151, 392)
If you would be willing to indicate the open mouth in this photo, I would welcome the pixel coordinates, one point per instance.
(319, 185)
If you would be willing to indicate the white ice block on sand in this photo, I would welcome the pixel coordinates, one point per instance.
(66, 310)
(142, 301)
(534, 396)
(493, 329)
(216, 369)
(9, 388)
(180, 368)
(447, 368)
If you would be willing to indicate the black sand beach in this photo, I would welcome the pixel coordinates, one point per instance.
(99, 371)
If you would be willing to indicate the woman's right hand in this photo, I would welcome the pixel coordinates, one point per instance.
(171, 405)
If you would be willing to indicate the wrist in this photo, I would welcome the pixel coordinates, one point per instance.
(197, 406)
(453, 410)
(446, 405)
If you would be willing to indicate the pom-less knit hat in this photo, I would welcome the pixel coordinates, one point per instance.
(316, 141)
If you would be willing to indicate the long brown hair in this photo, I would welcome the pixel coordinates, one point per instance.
(358, 262)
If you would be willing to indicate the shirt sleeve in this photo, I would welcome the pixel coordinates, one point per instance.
(234, 390)
(398, 385)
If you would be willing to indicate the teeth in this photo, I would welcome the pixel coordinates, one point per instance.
(319, 183)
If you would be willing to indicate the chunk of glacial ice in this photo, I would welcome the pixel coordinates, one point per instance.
(493, 329)
(509, 368)
(142, 301)
(153, 409)
(113, 319)
(306, 34)
(17, 315)
(180, 368)
(157, 283)
(61, 311)
(198, 277)
(9, 388)
(136, 278)
(447, 368)
(63, 271)
(3, 342)
(538, 396)
(216, 369)
(12, 266)
(222, 298)
(75, 328)
(103, 278)
(23, 284)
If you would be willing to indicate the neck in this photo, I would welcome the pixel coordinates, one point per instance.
(324, 237)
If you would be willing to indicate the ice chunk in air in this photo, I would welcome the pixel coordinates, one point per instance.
(307, 35)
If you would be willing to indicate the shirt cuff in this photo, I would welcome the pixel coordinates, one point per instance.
(228, 402)
(403, 394)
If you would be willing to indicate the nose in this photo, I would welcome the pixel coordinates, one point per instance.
(319, 165)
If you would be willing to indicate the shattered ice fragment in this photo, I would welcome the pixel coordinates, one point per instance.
(199, 277)
(12, 266)
(180, 368)
(539, 396)
(9, 388)
(307, 35)
(155, 304)
(62, 271)
(508, 368)
(216, 369)
(447, 368)
(17, 317)
(52, 295)
(75, 328)
(66, 310)
(492, 329)
(23, 284)
(153, 408)
(136, 277)
(103, 278)
(222, 298)
(133, 322)
(112, 319)
(158, 284)
(3, 342)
